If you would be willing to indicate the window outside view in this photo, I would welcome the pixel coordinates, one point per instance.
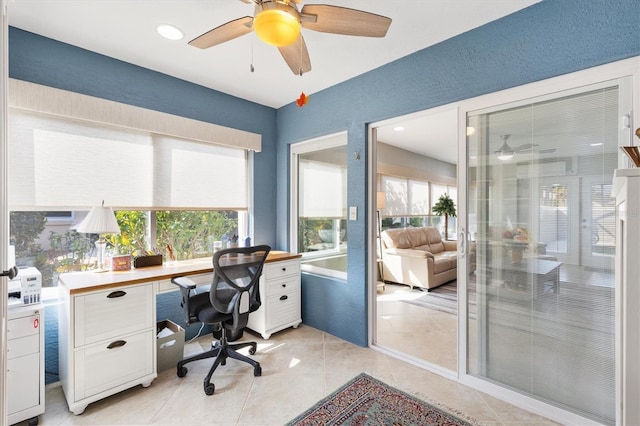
(47, 242)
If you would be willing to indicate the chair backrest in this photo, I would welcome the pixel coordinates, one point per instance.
(236, 275)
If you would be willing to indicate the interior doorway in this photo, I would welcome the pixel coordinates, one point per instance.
(415, 163)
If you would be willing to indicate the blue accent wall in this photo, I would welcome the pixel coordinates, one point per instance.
(548, 39)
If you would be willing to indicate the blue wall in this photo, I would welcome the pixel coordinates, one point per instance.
(548, 39)
(551, 38)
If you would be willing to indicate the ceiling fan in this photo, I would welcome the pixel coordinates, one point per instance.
(506, 152)
(278, 22)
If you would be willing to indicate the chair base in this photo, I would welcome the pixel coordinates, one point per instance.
(221, 350)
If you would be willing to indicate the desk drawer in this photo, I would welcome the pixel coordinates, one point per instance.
(24, 326)
(283, 309)
(112, 363)
(105, 314)
(279, 286)
(23, 346)
(277, 270)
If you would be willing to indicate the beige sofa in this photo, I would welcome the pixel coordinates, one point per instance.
(418, 257)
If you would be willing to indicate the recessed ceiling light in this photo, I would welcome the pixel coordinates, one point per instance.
(170, 32)
(398, 128)
(596, 144)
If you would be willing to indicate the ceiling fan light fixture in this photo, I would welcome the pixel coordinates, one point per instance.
(276, 26)
(504, 155)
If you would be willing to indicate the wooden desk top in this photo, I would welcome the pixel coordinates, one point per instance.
(82, 282)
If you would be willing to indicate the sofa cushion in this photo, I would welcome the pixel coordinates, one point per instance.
(396, 238)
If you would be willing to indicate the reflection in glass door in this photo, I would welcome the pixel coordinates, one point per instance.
(558, 218)
(540, 320)
(598, 225)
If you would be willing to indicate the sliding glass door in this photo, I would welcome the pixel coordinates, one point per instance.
(540, 293)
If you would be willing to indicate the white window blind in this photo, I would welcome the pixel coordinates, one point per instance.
(405, 197)
(397, 196)
(199, 175)
(56, 162)
(418, 197)
(322, 189)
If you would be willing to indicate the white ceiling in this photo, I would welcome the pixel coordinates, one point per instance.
(126, 30)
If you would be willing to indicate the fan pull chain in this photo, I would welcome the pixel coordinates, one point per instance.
(251, 67)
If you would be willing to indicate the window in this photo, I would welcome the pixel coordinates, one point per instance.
(165, 190)
(320, 204)
(408, 202)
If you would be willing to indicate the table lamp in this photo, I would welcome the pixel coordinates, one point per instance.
(100, 220)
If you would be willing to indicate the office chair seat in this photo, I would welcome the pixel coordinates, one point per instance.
(234, 294)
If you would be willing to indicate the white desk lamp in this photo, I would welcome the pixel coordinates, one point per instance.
(100, 220)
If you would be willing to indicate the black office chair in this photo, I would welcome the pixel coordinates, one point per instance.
(234, 293)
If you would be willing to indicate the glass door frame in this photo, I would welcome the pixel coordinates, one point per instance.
(574, 81)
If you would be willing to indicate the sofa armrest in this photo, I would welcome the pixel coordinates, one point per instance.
(450, 245)
(420, 254)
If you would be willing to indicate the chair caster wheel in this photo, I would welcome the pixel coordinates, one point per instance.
(252, 351)
(182, 371)
(257, 371)
(209, 388)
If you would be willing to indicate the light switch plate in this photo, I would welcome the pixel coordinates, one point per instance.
(353, 213)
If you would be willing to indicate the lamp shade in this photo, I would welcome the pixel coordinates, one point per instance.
(277, 24)
(100, 220)
(381, 200)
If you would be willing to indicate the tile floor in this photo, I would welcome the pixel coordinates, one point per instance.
(299, 367)
(399, 323)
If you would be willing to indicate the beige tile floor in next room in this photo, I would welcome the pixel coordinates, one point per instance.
(299, 367)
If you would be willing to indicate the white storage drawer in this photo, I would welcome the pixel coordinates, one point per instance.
(283, 309)
(23, 373)
(281, 286)
(23, 326)
(278, 270)
(23, 346)
(109, 364)
(106, 314)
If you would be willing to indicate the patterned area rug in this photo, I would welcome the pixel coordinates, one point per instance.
(367, 401)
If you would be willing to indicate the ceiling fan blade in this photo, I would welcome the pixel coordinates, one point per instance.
(342, 20)
(525, 147)
(296, 56)
(224, 32)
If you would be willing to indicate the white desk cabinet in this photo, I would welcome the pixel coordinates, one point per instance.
(106, 342)
(25, 351)
(280, 297)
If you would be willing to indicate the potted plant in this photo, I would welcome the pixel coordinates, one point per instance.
(445, 207)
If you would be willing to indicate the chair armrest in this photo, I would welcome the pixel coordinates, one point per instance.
(450, 245)
(421, 254)
(186, 285)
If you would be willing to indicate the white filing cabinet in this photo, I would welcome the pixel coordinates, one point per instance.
(107, 342)
(25, 350)
(280, 297)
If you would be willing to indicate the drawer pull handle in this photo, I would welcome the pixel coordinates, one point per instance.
(284, 269)
(116, 344)
(284, 285)
(115, 294)
(285, 297)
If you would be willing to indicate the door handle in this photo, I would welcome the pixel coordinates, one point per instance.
(461, 242)
(11, 273)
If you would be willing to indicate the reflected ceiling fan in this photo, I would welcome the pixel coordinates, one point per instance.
(278, 23)
(506, 152)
